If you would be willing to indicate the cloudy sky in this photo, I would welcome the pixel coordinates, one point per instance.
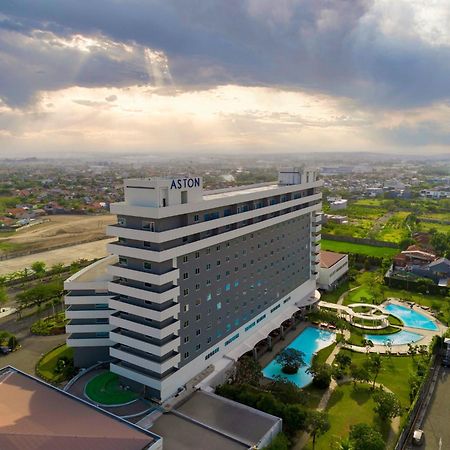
(218, 76)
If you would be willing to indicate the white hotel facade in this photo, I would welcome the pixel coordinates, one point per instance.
(195, 277)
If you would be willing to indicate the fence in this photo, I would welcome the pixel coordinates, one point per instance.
(355, 240)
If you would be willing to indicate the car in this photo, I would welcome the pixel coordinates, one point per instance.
(418, 437)
(4, 350)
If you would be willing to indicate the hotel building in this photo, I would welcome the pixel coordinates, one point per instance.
(195, 276)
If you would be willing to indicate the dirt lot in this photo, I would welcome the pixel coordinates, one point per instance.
(58, 231)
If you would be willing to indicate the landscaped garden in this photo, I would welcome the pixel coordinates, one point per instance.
(50, 325)
(106, 389)
(57, 365)
(363, 249)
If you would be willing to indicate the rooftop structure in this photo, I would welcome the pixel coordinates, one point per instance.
(35, 415)
(333, 269)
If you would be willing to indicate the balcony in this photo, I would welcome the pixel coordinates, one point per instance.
(87, 340)
(143, 276)
(155, 297)
(142, 359)
(140, 342)
(86, 312)
(87, 326)
(133, 307)
(148, 330)
(88, 299)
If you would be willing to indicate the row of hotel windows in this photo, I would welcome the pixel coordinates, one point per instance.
(149, 225)
(234, 337)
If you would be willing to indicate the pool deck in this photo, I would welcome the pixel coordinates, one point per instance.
(403, 349)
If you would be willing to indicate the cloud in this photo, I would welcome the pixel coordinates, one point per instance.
(380, 53)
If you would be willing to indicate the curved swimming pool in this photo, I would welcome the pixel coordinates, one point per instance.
(411, 318)
(401, 338)
(309, 341)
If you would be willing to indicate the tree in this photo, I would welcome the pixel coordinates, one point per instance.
(38, 268)
(317, 423)
(39, 294)
(387, 405)
(248, 371)
(412, 350)
(3, 295)
(12, 342)
(343, 360)
(374, 367)
(344, 444)
(359, 373)
(321, 375)
(368, 344)
(57, 268)
(286, 391)
(291, 360)
(365, 437)
(280, 442)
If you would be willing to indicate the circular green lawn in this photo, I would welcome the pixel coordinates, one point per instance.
(105, 389)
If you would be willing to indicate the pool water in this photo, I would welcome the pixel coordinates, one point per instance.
(401, 338)
(411, 318)
(309, 341)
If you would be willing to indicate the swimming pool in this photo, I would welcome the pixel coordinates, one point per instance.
(401, 338)
(411, 318)
(309, 341)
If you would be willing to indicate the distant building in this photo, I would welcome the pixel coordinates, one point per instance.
(338, 204)
(335, 219)
(333, 269)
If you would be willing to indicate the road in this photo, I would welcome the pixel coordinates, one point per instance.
(436, 422)
(33, 347)
(66, 255)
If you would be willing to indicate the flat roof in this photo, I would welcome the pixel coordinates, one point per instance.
(182, 434)
(231, 192)
(35, 415)
(329, 259)
(245, 424)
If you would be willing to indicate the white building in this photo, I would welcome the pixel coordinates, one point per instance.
(338, 204)
(333, 269)
(196, 277)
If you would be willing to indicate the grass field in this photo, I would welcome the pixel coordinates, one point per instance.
(46, 366)
(362, 249)
(105, 389)
(349, 406)
(394, 373)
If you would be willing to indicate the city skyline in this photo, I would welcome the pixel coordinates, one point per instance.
(298, 76)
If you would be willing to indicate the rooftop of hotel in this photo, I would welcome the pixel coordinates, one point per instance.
(35, 415)
(240, 190)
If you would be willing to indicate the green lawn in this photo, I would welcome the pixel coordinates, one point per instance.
(349, 406)
(394, 374)
(105, 389)
(363, 249)
(394, 230)
(323, 354)
(333, 296)
(46, 366)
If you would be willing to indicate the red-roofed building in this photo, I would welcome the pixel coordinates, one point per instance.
(333, 269)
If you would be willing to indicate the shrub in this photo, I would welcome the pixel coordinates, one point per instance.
(281, 442)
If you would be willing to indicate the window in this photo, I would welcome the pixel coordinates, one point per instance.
(148, 285)
(208, 282)
(229, 341)
(227, 287)
(197, 286)
(197, 347)
(208, 251)
(218, 277)
(198, 302)
(208, 266)
(218, 262)
(147, 265)
(208, 297)
(186, 324)
(186, 339)
(186, 308)
(197, 255)
(214, 351)
(217, 247)
(123, 261)
(147, 244)
(197, 270)
(185, 275)
(198, 332)
(186, 355)
(185, 291)
(148, 225)
(198, 317)
(196, 218)
(219, 305)
(122, 221)
(185, 258)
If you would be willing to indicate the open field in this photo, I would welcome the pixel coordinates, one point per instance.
(59, 230)
(66, 255)
(348, 247)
